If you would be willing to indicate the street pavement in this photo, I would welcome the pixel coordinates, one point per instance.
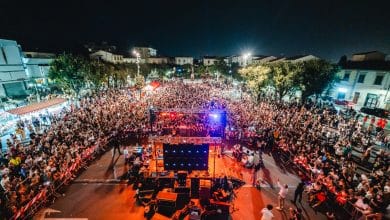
(98, 193)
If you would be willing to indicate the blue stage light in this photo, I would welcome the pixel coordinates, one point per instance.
(214, 116)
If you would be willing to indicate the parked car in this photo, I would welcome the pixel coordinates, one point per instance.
(378, 112)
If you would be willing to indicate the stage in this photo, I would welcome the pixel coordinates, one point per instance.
(99, 193)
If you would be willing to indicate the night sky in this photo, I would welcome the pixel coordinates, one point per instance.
(184, 27)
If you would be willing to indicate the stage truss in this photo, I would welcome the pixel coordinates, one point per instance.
(188, 140)
(191, 111)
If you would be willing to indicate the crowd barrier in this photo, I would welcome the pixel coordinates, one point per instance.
(47, 192)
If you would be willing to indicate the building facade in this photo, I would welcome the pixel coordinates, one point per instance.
(13, 76)
(209, 60)
(158, 60)
(37, 67)
(107, 56)
(184, 60)
(301, 58)
(145, 52)
(132, 60)
(262, 59)
(365, 80)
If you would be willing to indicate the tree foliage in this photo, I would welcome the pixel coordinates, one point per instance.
(315, 76)
(282, 77)
(256, 76)
(69, 72)
(310, 77)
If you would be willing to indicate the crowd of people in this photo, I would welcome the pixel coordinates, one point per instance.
(316, 139)
(26, 169)
(319, 140)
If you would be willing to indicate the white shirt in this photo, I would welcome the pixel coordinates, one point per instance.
(283, 191)
(250, 159)
(266, 214)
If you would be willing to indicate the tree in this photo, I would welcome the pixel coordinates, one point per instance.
(343, 60)
(219, 66)
(69, 72)
(96, 74)
(256, 76)
(315, 76)
(282, 77)
(200, 70)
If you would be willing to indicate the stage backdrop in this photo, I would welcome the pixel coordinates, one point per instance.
(186, 156)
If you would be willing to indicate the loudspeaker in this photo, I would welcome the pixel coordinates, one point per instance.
(185, 190)
(166, 210)
(182, 178)
(195, 182)
(183, 196)
(166, 182)
(204, 192)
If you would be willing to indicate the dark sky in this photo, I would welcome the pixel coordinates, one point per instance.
(326, 28)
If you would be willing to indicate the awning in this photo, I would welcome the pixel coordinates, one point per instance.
(36, 106)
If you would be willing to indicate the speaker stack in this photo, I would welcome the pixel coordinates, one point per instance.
(183, 196)
(166, 203)
(195, 183)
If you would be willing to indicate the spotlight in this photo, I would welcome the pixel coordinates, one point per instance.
(214, 116)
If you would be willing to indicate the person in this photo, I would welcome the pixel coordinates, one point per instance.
(115, 143)
(282, 195)
(267, 213)
(298, 192)
(295, 214)
(249, 162)
(126, 154)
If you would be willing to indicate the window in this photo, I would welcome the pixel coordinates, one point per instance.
(378, 80)
(361, 78)
(346, 76)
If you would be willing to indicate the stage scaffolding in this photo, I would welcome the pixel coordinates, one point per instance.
(182, 140)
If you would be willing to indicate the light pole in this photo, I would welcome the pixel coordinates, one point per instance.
(138, 56)
(245, 57)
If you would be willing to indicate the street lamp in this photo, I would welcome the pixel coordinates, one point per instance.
(246, 56)
(138, 56)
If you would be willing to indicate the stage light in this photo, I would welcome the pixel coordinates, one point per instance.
(214, 115)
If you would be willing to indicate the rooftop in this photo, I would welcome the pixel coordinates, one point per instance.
(367, 65)
(364, 53)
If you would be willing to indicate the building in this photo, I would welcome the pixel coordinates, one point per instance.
(133, 60)
(37, 67)
(369, 56)
(92, 47)
(241, 60)
(184, 60)
(301, 58)
(145, 52)
(107, 56)
(209, 60)
(158, 60)
(12, 70)
(32, 54)
(365, 80)
(262, 59)
(277, 59)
